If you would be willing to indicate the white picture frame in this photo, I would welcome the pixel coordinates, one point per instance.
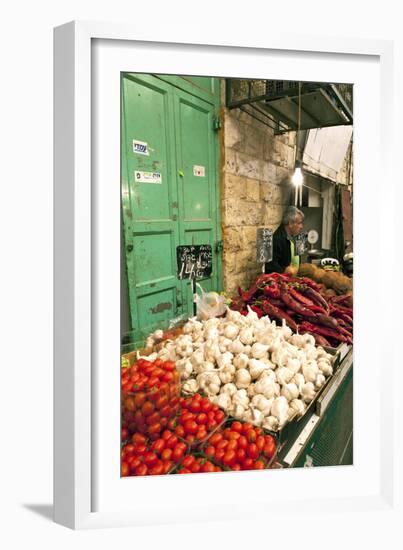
(88, 491)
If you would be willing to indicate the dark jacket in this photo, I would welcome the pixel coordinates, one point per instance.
(281, 252)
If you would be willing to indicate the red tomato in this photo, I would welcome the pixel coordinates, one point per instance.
(207, 467)
(215, 438)
(153, 382)
(217, 469)
(166, 434)
(246, 427)
(147, 408)
(180, 431)
(129, 404)
(260, 442)
(234, 435)
(190, 438)
(164, 421)
(190, 426)
(226, 433)
(168, 376)
(205, 405)
(124, 469)
(177, 454)
(219, 453)
(129, 449)
(139, 439)
(153, 418)
(229, 458)
(157, 470)
(188, 461)
(166, 454)
(158, 445)
(258, 465)
(201, 434)
(222, 444)
(236, 467)
(168, 365)
(184, 471)
(211, 416)
(209, 451)
(187, 416)
(195, 468)
(269, 449)
(232, 445)
(166, 411)
(124, 434)
(247, 464)
(167, 465)
(155, 429)
(181, 445)
(211, 425)
(195, 406)
(139, 399)
(252, 451)
(150, 458)
(219, 416)
(202, 418)
(141, 470)
(241, 454)
(161, 402)
(251, 436)
(172, 423)
(135, 463)
(171, 442)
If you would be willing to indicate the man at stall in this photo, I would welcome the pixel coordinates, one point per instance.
(284, 258)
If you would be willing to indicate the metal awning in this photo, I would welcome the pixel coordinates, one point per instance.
(275, 103)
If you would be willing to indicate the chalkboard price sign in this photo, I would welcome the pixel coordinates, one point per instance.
(301, 244)
(194, 261)
(264, 245)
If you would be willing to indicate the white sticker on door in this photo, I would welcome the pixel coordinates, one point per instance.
(199, 171)
(147, 177)
(140, 147)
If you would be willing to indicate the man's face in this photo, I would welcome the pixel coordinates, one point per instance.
(295, 227)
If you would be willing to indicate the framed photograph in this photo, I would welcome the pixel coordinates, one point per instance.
(204, 230)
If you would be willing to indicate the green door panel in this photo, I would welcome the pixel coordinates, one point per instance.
(169, 190)
(149, 209)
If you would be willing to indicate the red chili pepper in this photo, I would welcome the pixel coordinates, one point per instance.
(315, 297)
(300, 297)
(257, 310)
(323, 331)
(279, 314)
(272, 290)
(293, 304)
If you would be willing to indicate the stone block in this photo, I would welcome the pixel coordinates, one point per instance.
(239, 213)
(271, 193)
(252, 190)
(272, 214)
(232, 133)
(230, 161)
(268, 172)
(253, 141)
(233, 239)
(234, 187)
(248, 166)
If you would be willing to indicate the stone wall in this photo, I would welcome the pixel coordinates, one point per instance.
(255, 189)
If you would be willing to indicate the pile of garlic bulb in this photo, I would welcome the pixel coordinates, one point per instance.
(253, 369)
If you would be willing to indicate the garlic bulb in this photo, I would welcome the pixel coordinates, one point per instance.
(308, 392)
(231, 331)
(246, 336)
(265, 386)
(237, 411)
(299, 380)
(259, 351)
(310, 372)
(229, 388)
(227, 374)
(270, 423)
(236, 347)
(290, 391)
(251, 390)
(326, 368)
(283, 375)
(298, 406)
(242, 378)
(223, 400)
(320, 380)
(224, 359)
(260, 402)
(190, 386)
(241, 361)
(256, 368)
(279, 409)
(241, 398)
(293, 364)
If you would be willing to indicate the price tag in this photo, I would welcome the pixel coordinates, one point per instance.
(264, 245)
(194, 261)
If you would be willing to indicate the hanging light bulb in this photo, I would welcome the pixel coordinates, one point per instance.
(297, 178)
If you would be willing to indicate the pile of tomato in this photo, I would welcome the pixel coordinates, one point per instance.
(241, 446)
(143, 457)
(198, 418)
(192, 464)
(150, 397)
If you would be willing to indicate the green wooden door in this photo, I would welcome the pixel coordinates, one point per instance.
(169, 192)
